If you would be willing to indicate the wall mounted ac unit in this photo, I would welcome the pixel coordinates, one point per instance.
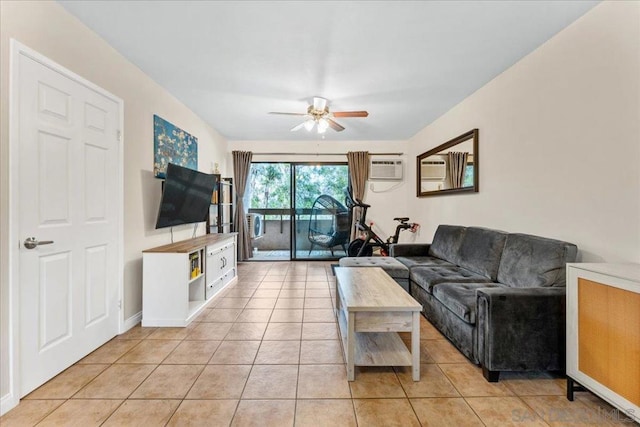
(433, 169)
(385, 170)
(256, 225)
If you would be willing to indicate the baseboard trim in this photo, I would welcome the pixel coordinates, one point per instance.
(131, 322)
(7, 403)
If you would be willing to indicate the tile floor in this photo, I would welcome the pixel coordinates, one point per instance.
(267, 353)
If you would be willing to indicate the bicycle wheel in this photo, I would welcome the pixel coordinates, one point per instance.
(354, 248)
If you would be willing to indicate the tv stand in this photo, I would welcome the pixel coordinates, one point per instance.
(180, 279)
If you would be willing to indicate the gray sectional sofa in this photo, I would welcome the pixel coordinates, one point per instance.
(499, 297)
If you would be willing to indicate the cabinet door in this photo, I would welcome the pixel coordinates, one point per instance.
(214, 263)
(220, 260)
(228, 257)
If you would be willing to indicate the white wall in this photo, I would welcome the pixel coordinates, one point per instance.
(389, 200)
(559, 141)
(47, 28)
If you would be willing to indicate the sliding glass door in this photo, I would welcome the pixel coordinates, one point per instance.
(269, 194)
(320, 222)
(301, 210)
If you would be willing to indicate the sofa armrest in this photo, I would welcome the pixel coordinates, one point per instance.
(409, 249)
(521, 328)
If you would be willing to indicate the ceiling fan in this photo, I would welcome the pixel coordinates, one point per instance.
(319, 116)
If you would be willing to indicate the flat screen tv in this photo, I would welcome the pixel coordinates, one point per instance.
(186, 196)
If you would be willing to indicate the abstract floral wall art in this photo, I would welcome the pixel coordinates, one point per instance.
(172, 145)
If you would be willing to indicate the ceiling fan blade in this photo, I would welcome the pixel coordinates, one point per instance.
(350, 113)
(319, 104)
(335, 126)
(297, 127)
(288, 114)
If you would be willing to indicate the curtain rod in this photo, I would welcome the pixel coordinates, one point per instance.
(322, 154)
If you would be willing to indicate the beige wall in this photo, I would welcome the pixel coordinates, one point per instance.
(47, 28)
(387, 199)
(559, 141)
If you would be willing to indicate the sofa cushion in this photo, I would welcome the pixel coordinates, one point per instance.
(446, 243)
(391, 266)
(481, 250)
(531, 261)
(428, 277)
(460, 298)
(414, 261)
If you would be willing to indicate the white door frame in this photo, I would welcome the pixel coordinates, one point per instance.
(18, 49)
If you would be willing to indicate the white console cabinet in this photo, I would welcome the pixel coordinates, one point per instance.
(179, 279)
(603, 333)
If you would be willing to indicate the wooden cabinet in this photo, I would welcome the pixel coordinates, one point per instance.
(222, 207)
(603, 333)
(179, 279)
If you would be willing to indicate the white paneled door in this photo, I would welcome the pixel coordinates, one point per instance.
(69, 193)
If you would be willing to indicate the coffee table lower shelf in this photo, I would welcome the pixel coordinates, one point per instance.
(373, 348)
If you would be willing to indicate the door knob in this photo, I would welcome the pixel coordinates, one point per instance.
(32, 242)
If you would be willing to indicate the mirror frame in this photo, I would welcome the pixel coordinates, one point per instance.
(472, 134)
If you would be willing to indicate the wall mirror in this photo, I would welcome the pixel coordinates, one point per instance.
(449, 168)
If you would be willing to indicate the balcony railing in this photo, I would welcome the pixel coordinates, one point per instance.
(277, 228)
(281, 215)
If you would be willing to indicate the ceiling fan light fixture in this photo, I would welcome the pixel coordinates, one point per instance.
(319, 116)
(308, 125)
(319, 104)
(323, 125)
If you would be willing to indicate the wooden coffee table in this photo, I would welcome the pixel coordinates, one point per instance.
(371, 308)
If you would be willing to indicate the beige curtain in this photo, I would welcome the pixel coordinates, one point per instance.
(456, 166)
(358, 172)
(241, 168)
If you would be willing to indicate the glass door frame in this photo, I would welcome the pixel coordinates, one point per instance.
(292, 246)
(292, 205)
(290, 209)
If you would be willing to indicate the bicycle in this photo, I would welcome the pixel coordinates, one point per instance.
(369, 239)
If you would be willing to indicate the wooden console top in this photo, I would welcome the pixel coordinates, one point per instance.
(191, 245)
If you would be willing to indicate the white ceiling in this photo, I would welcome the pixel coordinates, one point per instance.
(406, 62)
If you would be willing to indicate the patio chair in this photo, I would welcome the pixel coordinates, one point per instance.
(329, 224)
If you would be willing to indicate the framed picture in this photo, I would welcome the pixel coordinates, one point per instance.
(172, 145)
